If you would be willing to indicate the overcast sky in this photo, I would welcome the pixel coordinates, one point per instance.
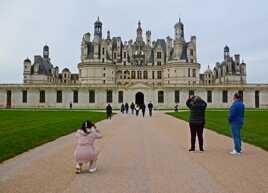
(26, 25)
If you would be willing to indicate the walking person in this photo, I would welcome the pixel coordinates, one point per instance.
(137, 109)
(109, 111)
(236, 121)
(150, 107)
(143, 108)
(176, 108)
(197, 108)
(132, 107)
(126, 107)
(85, 151)
(122, 108)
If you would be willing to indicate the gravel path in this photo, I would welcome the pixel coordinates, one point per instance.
(140, 155)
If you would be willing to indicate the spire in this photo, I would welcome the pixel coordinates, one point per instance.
(139, 32)
(46, 51)
(179, 30)
(108, 35)
(98, 28)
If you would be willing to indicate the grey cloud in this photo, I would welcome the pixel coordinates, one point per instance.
(27, 25)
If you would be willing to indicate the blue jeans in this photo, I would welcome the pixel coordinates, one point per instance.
(236, 136)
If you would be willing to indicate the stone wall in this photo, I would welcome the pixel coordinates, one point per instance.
(129, 93)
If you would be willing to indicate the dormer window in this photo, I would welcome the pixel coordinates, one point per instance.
(158, 55)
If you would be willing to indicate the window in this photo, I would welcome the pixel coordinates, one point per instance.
(133, 74)
(158, 55)
(152, 74)
(104, 74)
(191, 92)
(139, 74)
(240, 92)
(59, 96)
(158, 63)
(125, 63)
(42, 96)
(120, 97)
(91, 96)
(159, 74)
(191, 52)
(109, 98)
(209, 96)
(160, 96)
(24, 96)
(103, 51)
(177, 96)
(257, 99)
(75, 96)
(104, 81)
(145, 75)
(194, 72)
(125, 54)
(189, 72)
(225, 96)
(102, 60)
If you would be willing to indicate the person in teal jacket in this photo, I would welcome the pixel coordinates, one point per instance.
(236, 121)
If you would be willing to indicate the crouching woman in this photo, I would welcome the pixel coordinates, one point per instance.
(85, 151)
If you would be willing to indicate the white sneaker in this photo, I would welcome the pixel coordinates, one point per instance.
(234, 153)
(91, 170)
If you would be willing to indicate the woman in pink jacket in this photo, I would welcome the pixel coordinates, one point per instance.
(85, 151)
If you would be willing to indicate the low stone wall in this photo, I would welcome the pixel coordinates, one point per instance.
(151, 93)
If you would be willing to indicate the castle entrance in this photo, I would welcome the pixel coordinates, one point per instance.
(139, 99)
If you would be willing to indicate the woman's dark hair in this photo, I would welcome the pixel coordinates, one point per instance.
(237, 96)
(87, 124)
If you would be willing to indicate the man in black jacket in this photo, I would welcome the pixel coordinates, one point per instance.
(150, 107)
(196, 120)
(109, 111)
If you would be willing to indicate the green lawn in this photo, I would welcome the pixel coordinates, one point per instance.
(255, 130)
(21, 130)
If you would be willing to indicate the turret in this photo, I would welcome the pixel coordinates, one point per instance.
(84, 46)
(27, 66)
(179, 31)
(108, 35)
(226, 52)
(46, 51)
(139, 33)
(98, 29)
(148, 38)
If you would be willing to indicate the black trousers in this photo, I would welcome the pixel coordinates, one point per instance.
(150, 112)
(197, 128)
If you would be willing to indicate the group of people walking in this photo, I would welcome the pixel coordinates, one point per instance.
(135, 109)
(197, 108)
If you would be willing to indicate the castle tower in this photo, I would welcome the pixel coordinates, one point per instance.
(27, 66)
(226, 52)
(179, 40)
(46, 52)
(139, 33)
(148, 37)
(179, 30)
(98, 29)
(84, 46)
(108, 35)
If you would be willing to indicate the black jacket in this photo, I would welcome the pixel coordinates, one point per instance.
(109, 109)
(197, 111)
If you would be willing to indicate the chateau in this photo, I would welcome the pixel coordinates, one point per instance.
(111, 70)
